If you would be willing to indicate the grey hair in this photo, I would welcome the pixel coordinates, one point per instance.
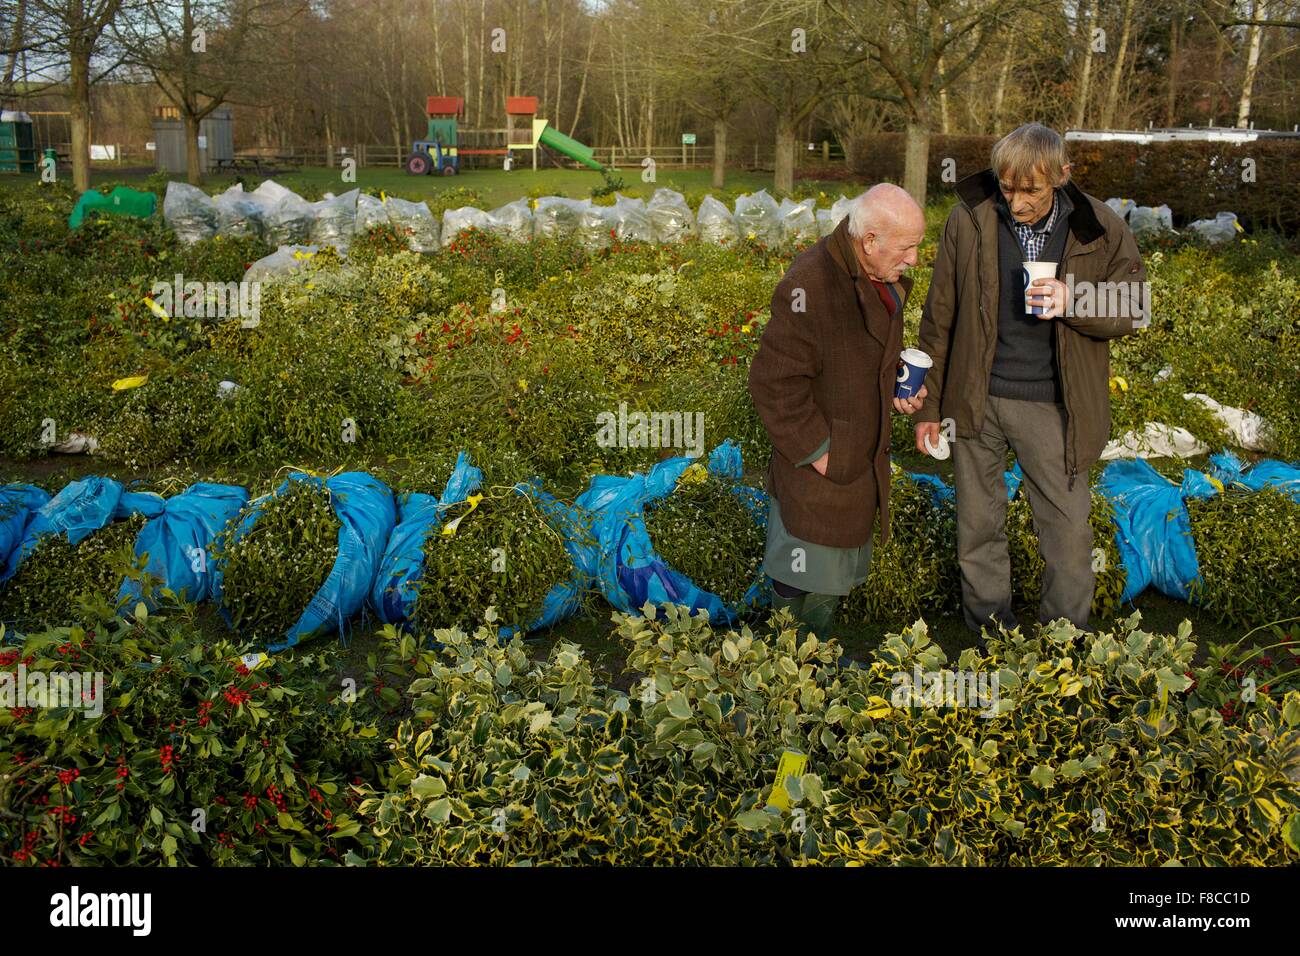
(872, 211)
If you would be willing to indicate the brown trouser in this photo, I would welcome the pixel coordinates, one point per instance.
(1035, 431)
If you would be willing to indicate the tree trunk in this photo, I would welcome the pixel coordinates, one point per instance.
(1112, 92)
(783, 167)
(439, 76)
(482, 55)
(559, 73)
(1085, 75)
(719, 152)
(582, 84)
(79, 117)
(464, 49)
(1171, 100)
(1259, 12)
(999, 97)
(193, 167)
(945, 120)
(917, 157)
(15, 41)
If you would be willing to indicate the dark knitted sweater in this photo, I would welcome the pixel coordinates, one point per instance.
(1024, 365)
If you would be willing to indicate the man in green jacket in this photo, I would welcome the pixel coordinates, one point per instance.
(1034, 384)
(822, 381)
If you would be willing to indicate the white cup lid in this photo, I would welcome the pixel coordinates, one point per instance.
(916, 357)
(940, 451)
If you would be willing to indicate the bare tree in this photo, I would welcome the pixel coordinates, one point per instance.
(72, 33)
(199, 52)
(907, 39)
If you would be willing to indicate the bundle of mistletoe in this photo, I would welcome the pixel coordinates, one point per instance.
(1027, 561)
(55, 573)
(915, 572)
(503, 552)
(705, 531)
(1246, 552)
(272, 571)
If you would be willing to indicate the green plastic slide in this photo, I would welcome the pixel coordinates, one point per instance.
(567, 146)
(122, 201)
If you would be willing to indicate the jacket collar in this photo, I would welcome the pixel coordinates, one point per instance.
(983, 186)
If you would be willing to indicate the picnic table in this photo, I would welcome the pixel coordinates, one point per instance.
(259, 165)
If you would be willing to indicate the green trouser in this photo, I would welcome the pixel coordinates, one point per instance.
(815, 612)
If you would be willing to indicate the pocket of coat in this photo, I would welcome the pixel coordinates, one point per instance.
(841, 467)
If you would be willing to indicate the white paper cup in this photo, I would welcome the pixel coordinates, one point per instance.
(1036, 270)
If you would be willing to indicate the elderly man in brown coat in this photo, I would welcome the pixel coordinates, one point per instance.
(1006, 379)
(822, 381)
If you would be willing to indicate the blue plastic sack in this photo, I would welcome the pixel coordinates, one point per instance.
(1155, 536)
(402, 565)
(1230, 470)
(942, 492)
(629, 572)
(18, 506)
(178, 542)
(364, 505)
(396, 587)
(81, 508)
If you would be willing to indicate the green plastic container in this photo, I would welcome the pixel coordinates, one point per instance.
(122, 201)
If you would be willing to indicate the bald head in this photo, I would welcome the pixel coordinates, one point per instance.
(886, 227)
(884, 209)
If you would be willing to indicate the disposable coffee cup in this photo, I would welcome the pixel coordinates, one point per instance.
(912, 366)
(1036, 270)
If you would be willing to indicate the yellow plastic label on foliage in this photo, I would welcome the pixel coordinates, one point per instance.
(450, 527)
(791, 764)
(1218, 485)
(383, 197)
(135, 381)
(254, 661)
(299, 254)
(694, 473)
(157, 309)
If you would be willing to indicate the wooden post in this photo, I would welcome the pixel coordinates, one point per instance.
(826, 151)
(756, 156)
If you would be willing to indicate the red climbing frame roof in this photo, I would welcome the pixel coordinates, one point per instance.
(521, 105)
(445, 106)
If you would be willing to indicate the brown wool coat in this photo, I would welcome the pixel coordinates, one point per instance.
(829, 370)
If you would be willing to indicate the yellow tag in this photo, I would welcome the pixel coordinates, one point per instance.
(1123, 385)
(254, 661)
(382, 196)
(696, 472)
(1216, 482)
(791, 764)
(1238, 225)
(135, 381)
(299, 254)
(157, 309)
(450, 527)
